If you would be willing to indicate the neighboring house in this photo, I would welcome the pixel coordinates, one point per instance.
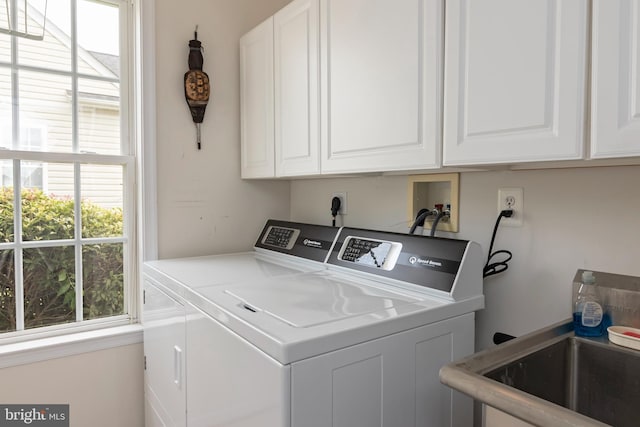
(45, 109)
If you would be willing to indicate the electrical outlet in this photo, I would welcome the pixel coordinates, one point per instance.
(342, 195)
(511, 198)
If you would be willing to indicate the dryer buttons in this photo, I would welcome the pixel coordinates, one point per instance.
(281, 237)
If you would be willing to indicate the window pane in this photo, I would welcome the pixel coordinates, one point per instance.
(45, 103)
(7, 292)
(58, 180)
(32, 175)
(99, 116)
(6, 201)
(5, 106)
(98, 39)
(54, 50)
(5, 39)
(102, 200)
(102, 273)
(47, 201)
(49, 286)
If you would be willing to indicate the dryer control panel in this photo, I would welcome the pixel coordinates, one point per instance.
(307, 241)
(280, 237)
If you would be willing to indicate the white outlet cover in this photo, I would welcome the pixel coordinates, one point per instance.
(518, 206)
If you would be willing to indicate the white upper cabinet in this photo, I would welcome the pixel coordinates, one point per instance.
(381, 82)
(514, 80)
(297, 102)
(256, 102)
(615, 90)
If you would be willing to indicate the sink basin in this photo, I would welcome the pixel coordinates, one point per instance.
(552, 378)
(590, 377)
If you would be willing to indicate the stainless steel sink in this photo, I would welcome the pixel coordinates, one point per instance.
(589, 377)
(552, 378)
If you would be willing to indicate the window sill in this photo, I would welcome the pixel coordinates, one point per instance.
(43, 349)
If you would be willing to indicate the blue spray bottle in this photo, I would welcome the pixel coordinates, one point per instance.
(588, 312)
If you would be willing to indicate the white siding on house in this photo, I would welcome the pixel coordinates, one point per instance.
(61, 175)
(5, 51)
(99, 117)
(5, 48)
(102, 184)
(43, 101)
(5, 107)
(99, 130)
(58, 56)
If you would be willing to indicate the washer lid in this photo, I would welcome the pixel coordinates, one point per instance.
(312, 299)
(199, 272)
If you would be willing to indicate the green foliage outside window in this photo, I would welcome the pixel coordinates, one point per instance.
(49, 272)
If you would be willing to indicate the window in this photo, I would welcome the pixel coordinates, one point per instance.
(66, 167)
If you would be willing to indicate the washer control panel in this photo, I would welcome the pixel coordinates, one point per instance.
(369, 252)
(430, 262)
(280, 237)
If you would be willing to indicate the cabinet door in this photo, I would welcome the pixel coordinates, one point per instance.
(381, 79)
(514, 80)
(164, 344)
(615, 91)
(231, 382)
(296, 52)
(387, 382)
(256, 102)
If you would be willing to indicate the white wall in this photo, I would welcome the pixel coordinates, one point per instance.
(574, 218)
(103, 388)
(203, 205)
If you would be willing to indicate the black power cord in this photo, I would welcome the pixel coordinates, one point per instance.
(423, 214)
(335, 208)
(492, 268)
(419, 221)
(436, 221)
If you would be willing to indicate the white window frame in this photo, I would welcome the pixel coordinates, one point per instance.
(129, 160)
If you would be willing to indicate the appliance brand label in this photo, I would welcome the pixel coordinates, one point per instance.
(426, 262)
(432, 263)
(313, 243)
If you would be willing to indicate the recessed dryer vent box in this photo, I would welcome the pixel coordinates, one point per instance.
(427, 191)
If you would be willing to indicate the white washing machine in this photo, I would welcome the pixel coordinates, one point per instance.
(358, 342)
(170, 284)
(308, 247)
